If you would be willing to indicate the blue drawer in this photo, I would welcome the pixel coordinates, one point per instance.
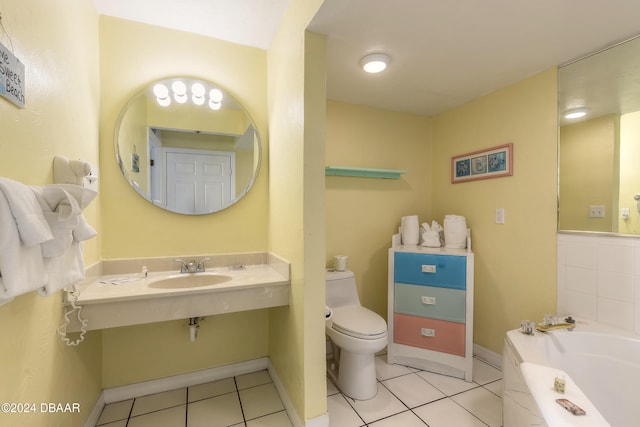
(431, 302)
(447, 271)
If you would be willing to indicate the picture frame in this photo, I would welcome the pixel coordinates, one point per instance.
(492, 162)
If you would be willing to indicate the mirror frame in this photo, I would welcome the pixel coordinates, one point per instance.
(144, 92)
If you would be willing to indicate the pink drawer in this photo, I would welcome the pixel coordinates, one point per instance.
(431, 334)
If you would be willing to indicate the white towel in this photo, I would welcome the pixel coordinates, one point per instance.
(65, 219)
(26, 211)
(21, 266)
(64, 270)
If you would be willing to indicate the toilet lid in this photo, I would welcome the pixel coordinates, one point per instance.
(359, 322)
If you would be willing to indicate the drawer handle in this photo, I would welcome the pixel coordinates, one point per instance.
(428, 300)
(428, 268)
(427, 332)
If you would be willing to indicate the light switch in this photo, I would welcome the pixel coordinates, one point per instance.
(499, 215)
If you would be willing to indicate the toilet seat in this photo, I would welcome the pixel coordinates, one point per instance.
(358, 322)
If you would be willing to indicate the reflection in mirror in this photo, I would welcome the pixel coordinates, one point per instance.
(187, 146)
(599, 151)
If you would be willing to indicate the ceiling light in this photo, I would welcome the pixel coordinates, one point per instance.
(575, 113)
(375, 62)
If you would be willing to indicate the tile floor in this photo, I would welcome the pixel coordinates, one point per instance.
(410, 397)
(249, 400)
(406, 397)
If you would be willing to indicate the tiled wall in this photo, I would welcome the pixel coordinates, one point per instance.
(599, 279)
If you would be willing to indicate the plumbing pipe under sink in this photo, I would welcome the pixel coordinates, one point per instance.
(193, 328)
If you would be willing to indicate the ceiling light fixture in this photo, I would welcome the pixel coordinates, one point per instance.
(375, 62)
(575, 113)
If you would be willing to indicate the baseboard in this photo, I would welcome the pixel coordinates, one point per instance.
(117, 394)
(321, 421)
(93, 417)
(493, 359)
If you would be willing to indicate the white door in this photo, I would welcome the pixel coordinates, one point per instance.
(198, 182)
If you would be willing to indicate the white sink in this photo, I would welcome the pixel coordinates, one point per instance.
(190, 280)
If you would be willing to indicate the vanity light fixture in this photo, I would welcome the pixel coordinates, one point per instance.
(375, 62)
(575, 113)
(180, 92)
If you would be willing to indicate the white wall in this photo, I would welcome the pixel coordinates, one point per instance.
(599, 279)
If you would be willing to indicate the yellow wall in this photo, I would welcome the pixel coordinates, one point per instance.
(589, 173)
(363, 213)
(515, 274)
(133, 55)
(58, 43)
(296, 212)
(629, 170)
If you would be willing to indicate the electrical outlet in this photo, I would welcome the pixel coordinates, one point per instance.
(596, 211)
(624, 213)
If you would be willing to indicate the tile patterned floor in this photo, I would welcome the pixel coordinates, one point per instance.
(410, 397)
(249, 400)
(406, 397)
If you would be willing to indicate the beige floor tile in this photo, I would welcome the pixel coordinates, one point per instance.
(483, 404)
(484, 373)
(217, 411)
(260, 401)
(155, 402)
(279, 419)
(211, 389)
(341, 414)
(253, 379)
(412, 390)
(383, 405)
(171, 417)
(446, 384)
(403, 419)
(446, 413)
(115, 411)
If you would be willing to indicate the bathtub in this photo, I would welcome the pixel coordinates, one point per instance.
(601, 366)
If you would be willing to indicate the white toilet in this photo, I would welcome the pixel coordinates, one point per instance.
(356, 334)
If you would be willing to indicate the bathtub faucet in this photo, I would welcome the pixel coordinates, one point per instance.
(550, 323)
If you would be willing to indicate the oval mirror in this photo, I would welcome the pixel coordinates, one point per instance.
(186, 146)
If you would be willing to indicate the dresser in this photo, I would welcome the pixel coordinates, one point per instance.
(430, 311)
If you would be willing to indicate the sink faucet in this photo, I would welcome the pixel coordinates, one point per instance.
(192, 266)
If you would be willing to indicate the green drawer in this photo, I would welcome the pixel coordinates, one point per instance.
(439, 303)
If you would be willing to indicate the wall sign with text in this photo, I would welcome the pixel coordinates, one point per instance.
(11, 77)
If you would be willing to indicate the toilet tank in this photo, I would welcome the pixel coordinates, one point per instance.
(341, 288)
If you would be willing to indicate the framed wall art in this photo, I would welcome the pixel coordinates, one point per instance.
(493, 162)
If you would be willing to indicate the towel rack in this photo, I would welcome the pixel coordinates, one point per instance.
(363, 172)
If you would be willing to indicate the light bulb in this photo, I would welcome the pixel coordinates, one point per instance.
(214, 105)
(179, 88)
(164, 102)
(197, 89)
(160, 90)
(215, 95)
(180, 98)
(198, 100)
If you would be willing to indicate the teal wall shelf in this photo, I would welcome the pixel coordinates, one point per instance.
(363, 172)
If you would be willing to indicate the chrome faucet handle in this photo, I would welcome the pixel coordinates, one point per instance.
(184, 268)
(201, 264)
